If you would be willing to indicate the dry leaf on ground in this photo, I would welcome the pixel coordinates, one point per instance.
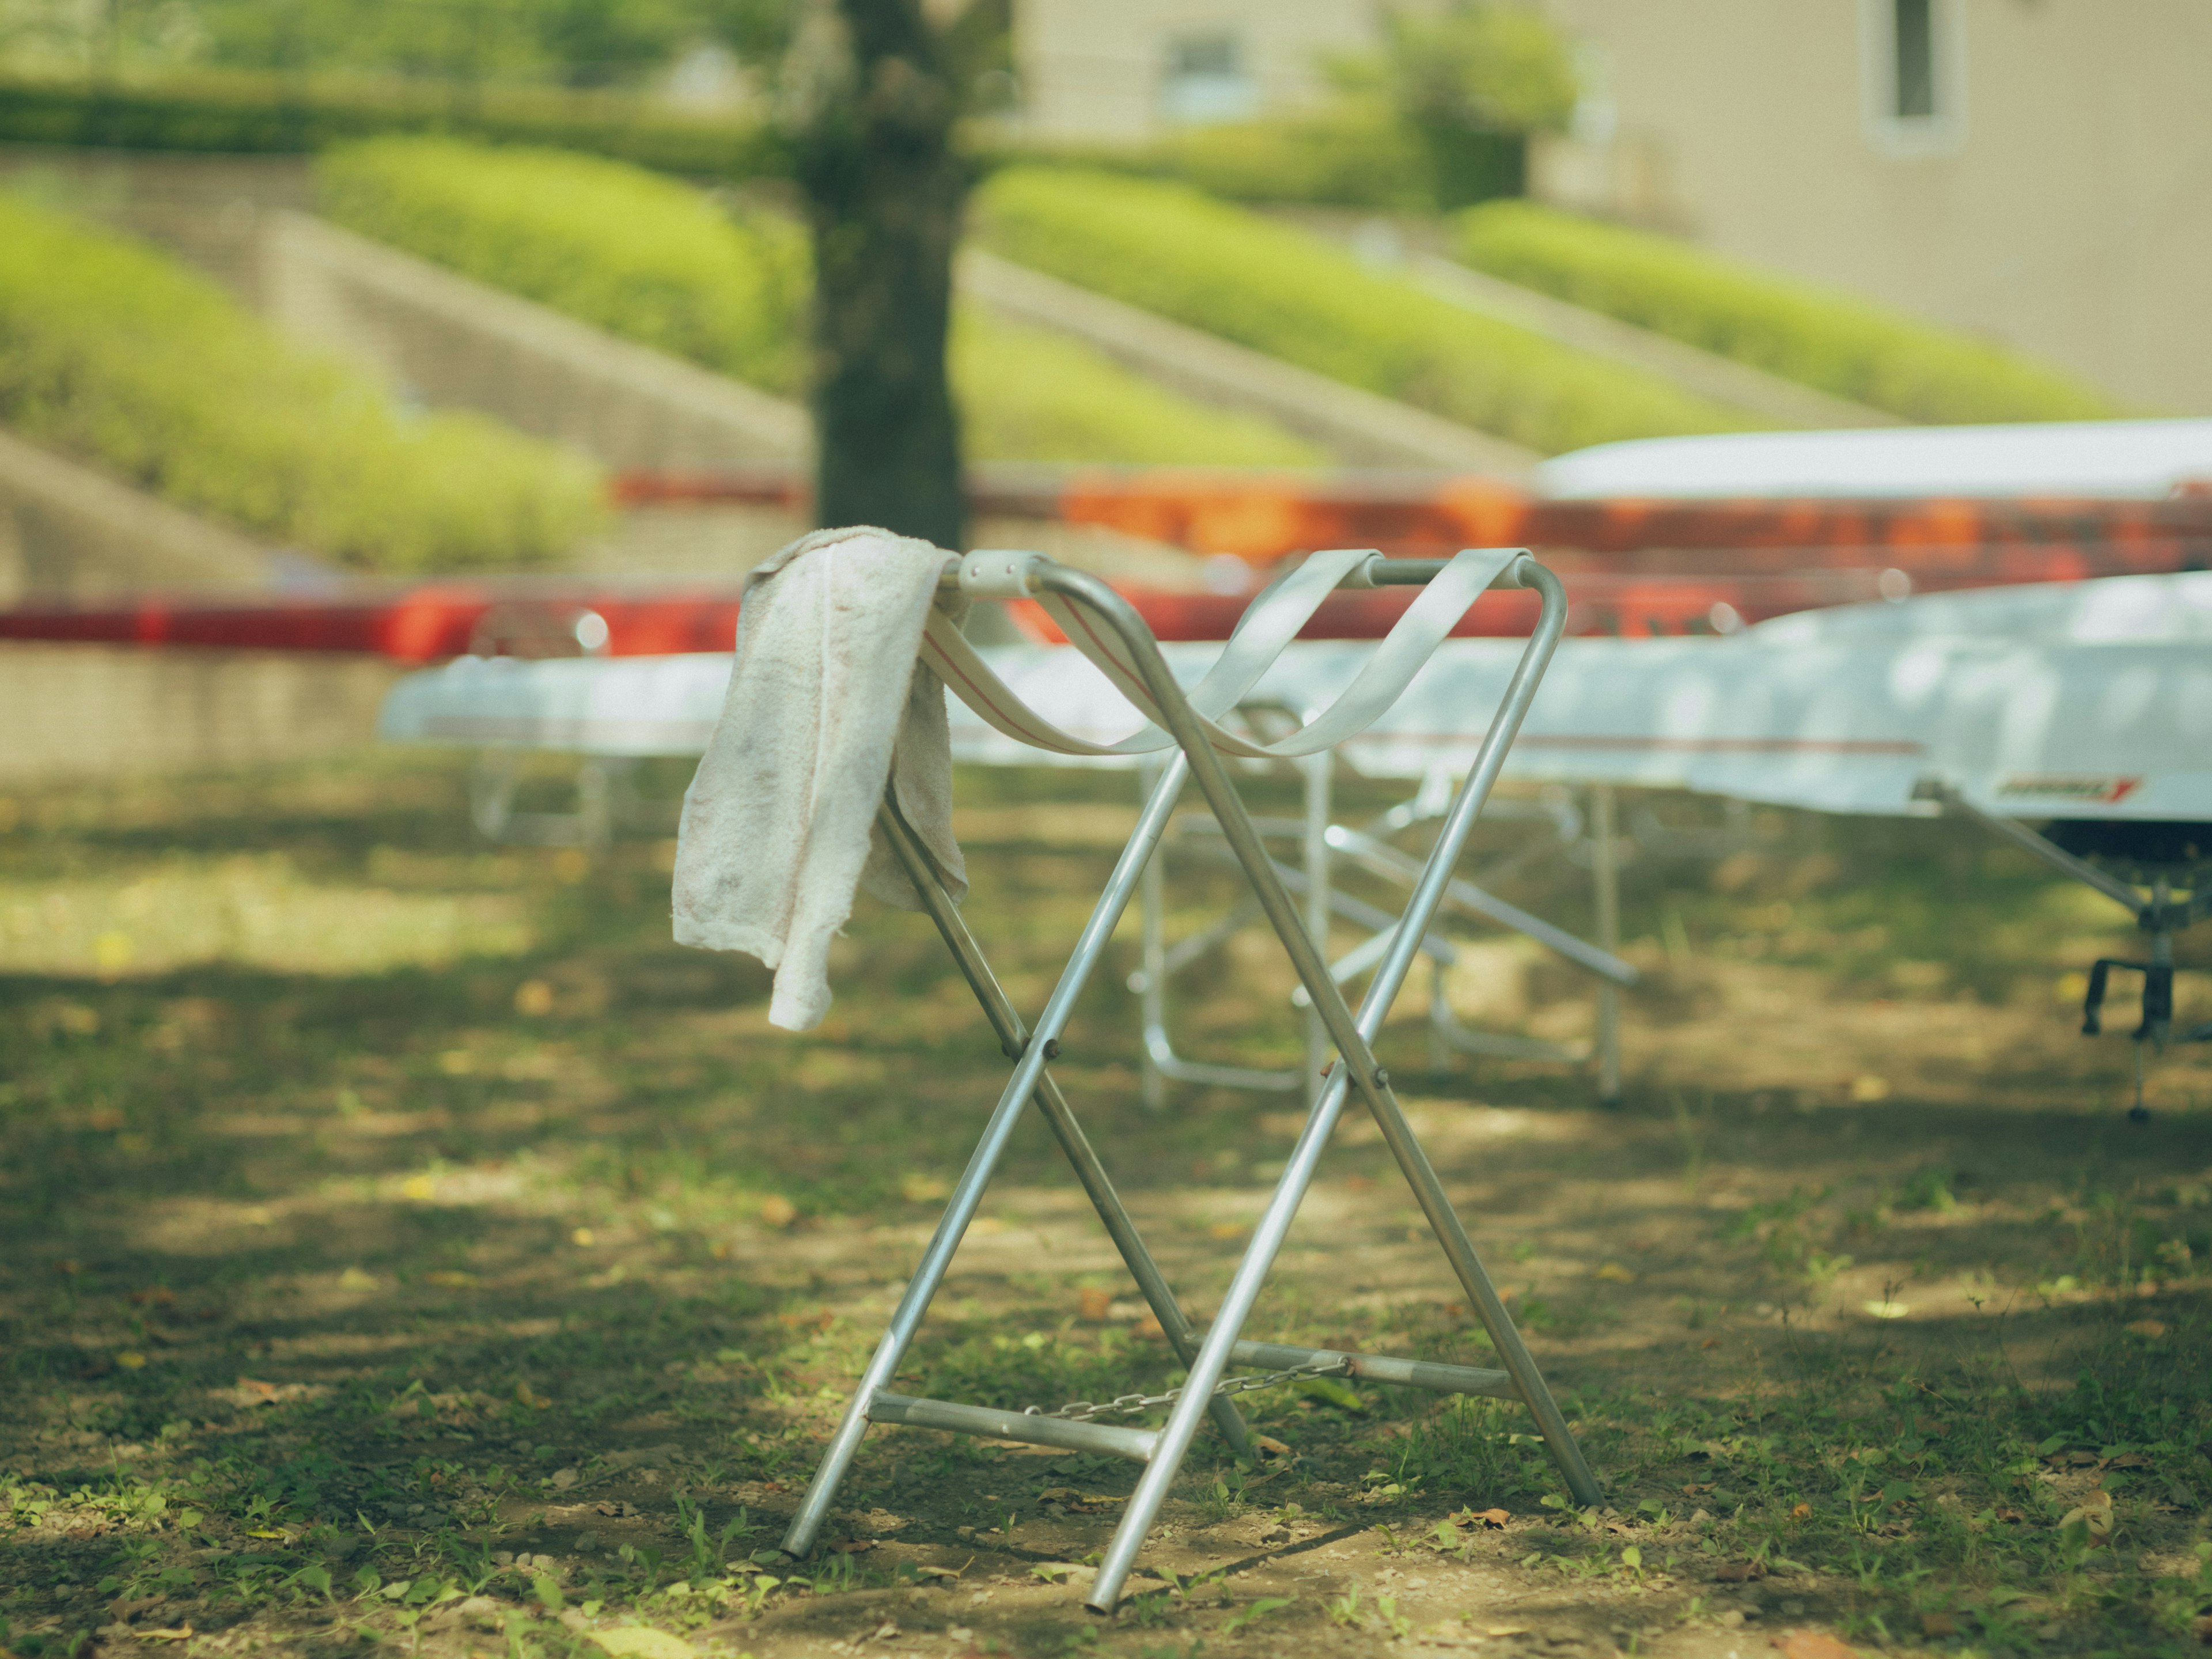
(642, 1642)
(1812, 1644)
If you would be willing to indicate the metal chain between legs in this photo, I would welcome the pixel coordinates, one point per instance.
(1086, 1411)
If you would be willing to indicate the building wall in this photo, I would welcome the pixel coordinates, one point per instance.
(2069, 212)
(1091, 71)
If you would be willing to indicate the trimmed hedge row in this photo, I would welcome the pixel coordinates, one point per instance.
(1169, 249)
(270, 114)
(1817, 337)
(1348, 156)
(1352, 157)
(635, 253)
(1026, 394)
(111, 352)
(660, 263)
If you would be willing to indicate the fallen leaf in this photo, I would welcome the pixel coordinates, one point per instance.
(2006, 1513)
(642, 1642)
(1093, 1305)
(1800, 1511)
(1480, 1519)
(1270, 1447)
(853, 1547)
(1938, 1624)
(1867, 1089)
(923, 1189)
(886, 1631)
(2094, 1512)
(451, 1279)
(533, 999)
(1740, 1572)
(2129, 1460)
(1812, 1644)
(583, 1236)
(2147, 1327)
(564, 1478)
(777, 1211)
(1710, 1342)
(353, 1278)
(132, 1360)
(1886, 1309)
(938, 1572)
(1616, 1273)
(1227, 1230)
(1506, 1630)
(172, 1633)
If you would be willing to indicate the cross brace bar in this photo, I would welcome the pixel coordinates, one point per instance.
(1064, 1433)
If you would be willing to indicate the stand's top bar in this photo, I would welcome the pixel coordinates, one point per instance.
(991, 572)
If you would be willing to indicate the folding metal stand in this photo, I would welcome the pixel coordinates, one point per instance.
(1323, 844)
(1207, 1354)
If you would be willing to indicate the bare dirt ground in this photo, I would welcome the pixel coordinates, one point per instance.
(407, 1245)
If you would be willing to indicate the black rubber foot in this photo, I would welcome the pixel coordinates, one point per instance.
(2138, 1113)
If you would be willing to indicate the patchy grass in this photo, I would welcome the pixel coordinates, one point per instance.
(405, 1245)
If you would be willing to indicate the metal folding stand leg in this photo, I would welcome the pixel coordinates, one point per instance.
(1161, 1450)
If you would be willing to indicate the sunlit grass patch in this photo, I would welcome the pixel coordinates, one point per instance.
(255, 911)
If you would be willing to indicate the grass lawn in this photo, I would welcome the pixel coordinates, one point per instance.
(406, 1246)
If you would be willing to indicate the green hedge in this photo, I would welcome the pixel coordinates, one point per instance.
(635, 253)
(1028, 395)
(111, 352)
(1347, 156)
(658, 262)
(1814, 335)
(1169, 249)
(263, 114)
(1352, 156)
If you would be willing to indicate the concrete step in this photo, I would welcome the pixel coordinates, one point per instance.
(1785, 403)
(1360, 428)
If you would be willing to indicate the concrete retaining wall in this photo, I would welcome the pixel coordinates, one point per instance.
(68, 531)
(77, 711)
(1359, 428)
(446, 340)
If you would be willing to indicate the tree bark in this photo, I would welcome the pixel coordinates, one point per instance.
(873, 104)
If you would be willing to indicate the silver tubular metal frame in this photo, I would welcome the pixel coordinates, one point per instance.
(1208, 1356)
(1325, 841)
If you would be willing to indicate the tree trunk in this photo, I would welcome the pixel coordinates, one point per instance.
(871, 113)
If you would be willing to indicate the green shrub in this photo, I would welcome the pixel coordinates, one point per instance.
(1027, 395)
(1814, 335)
(660, 263)
(251, 113)
(1279, 290)
(109, 352)
(638, 255)
(1352, 155)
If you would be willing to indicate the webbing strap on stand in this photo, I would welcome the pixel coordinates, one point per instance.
(1111, 633)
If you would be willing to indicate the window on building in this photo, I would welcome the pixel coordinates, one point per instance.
(1913, 60)
(1205, 79)
(1914, 54)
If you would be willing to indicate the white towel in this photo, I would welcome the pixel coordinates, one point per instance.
(826, 700)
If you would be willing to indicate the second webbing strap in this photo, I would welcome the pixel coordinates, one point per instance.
(1260, 636)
